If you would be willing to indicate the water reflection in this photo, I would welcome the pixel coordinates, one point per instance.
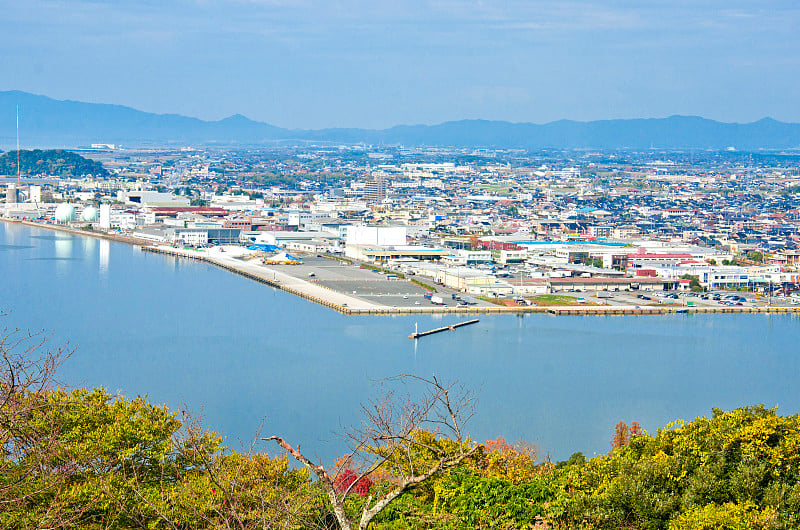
(63, 248)
(105, 251)
(89, 247)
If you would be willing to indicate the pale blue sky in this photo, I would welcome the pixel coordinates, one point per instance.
(353, 63)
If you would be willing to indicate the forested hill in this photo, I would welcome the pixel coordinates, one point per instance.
(50, 162)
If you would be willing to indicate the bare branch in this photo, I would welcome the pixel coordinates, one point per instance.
(400, 435)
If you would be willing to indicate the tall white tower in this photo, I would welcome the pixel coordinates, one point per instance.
(105, 216)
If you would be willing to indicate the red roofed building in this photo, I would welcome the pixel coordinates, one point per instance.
(172, 211)
(643, 259)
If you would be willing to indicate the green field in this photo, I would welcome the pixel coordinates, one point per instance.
(554, 299)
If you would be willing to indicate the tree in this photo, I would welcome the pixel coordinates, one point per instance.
(756, 256)
(694, 282)
(412, 440)
(88, 459)
(50, 162)
(514, 463)
(737, 469)
(28, 369)
(623, 434)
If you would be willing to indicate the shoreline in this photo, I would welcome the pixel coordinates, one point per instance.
(91, 233)
(350, 305)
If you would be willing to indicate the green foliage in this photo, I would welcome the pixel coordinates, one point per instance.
(482, 502)
(511, 211)
(727, 516)
(90, 451)
(53, 162)
(694, 282)
(746, 457)
(88, 459)
(406, 458)
(424, 285)
(513, 463)
(576, 459)
(255, 490)
(554, 299)
(500, 487)
(93, 460)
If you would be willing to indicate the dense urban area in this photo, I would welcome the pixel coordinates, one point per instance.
(464, 227)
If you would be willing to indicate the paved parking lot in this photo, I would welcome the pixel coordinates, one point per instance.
(374, 287)
(366, 284)
(659, 298)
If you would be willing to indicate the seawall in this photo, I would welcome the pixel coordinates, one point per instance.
(333, 300)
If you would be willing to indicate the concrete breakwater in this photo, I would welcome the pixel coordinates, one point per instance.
(252, 275)
(350, 305)
(327, 298)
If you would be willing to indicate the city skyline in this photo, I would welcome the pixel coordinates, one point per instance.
(375, 65)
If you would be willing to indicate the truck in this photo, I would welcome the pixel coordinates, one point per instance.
(436, 299)
(604, 294)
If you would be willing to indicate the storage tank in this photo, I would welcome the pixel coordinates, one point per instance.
(90, 214)
(65, 213)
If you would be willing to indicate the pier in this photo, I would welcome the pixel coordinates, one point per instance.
(451, 327)
(352, 305)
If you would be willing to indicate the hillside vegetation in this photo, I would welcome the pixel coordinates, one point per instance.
(88, 459)
(52, 162)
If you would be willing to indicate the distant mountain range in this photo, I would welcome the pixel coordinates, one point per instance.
(48, 122)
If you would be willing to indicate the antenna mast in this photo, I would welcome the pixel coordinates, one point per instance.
(18, 171)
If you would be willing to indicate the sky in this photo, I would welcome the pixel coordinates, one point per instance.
(379, 63)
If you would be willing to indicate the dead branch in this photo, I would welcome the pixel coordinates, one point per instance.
(391, 435)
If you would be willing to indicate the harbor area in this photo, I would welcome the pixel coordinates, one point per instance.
(356, 289)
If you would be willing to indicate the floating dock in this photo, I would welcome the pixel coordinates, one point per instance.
(444, 328)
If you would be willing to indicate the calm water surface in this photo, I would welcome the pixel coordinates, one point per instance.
(194, 336)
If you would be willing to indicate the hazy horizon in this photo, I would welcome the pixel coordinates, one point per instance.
(22, 115)
(301, 64)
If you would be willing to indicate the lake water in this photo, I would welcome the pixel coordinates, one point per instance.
(194, 336)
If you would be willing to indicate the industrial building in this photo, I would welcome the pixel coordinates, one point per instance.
(189, 236)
